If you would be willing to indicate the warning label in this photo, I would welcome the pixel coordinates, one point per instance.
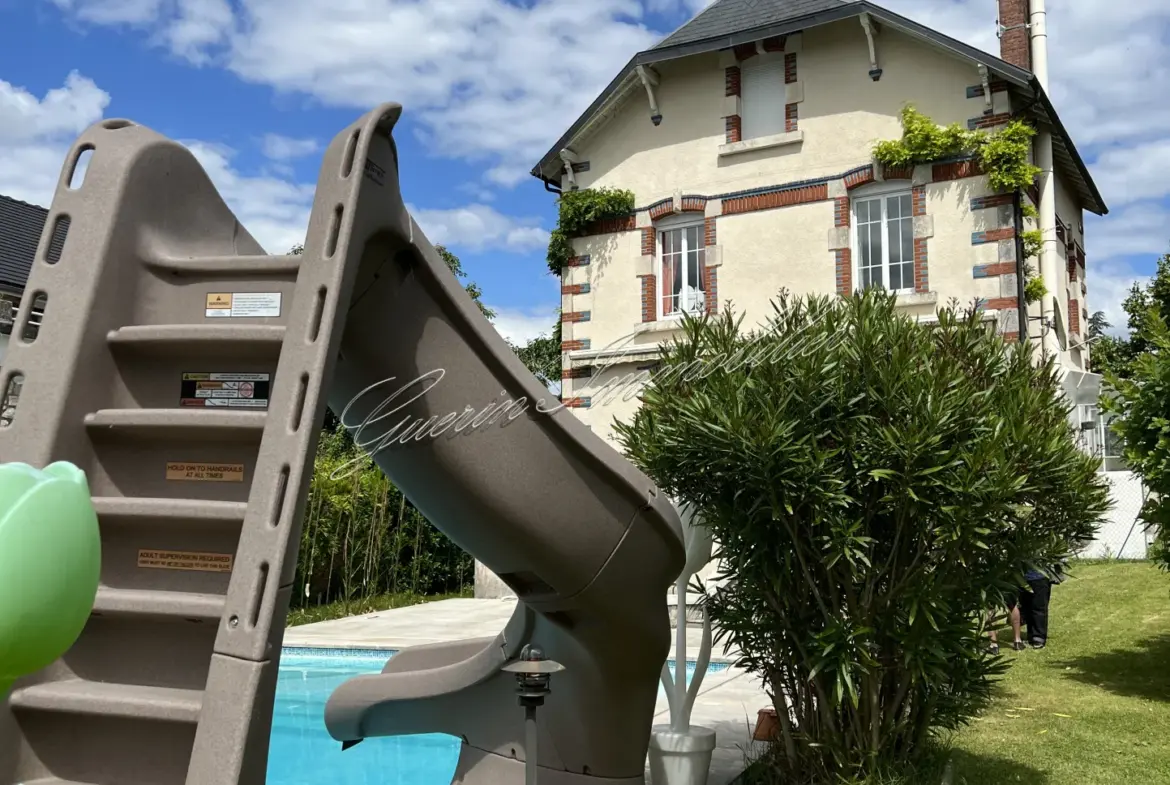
(242, 304)
(205, 472)
(230, 390)
(185, 560)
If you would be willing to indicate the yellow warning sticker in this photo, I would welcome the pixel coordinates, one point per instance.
(219, 302)
(242, 304)
(205, 472)
(185, 560)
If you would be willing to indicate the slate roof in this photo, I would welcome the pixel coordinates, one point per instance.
(21, 225)
(731, 16)
(728, 23)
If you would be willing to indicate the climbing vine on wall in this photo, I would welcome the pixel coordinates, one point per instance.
(576, 210)
(1003, 154)
(1034, 289)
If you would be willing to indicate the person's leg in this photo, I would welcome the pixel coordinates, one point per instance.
(991, 633)
(1038, 624)
(1014, 616)
(1025, 609)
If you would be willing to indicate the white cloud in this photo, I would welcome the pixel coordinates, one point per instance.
(489, 80)
(109, 12)
(522, 325)
(36, 134)
(199, 24)
(275, 211)
(282, 148)
(495, 82)
(1129, 174)
(1136, 229)
(1109, 286)
(477, 227)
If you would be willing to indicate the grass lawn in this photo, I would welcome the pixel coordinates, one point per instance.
(364, 605)
(1093, 707)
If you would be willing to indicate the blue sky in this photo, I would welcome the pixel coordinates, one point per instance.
(257, 87)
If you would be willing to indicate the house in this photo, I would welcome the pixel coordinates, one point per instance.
(747, 136)
(21, 225)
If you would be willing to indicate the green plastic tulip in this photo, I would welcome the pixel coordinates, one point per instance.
(50, 563)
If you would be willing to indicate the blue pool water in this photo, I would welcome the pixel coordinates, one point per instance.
(303, 753)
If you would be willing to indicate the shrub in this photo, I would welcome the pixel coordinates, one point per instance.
(874, 485)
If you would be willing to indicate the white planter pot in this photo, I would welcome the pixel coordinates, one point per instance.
(680, 758)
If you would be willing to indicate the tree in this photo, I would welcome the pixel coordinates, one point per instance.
(1098, 324)
(876, 487)
(542, 356)
(472, 288)
(1141, 402)
(453, 264)
(1117, 355)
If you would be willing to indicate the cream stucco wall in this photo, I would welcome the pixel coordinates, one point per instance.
(843, 113)
(773, 249)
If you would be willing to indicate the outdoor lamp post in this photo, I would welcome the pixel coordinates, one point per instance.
(533, 673)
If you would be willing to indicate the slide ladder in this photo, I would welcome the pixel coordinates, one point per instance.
(187, 373)
(182, 369)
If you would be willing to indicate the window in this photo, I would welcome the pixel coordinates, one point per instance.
(762, 96)
(884, 241)
(681, 261)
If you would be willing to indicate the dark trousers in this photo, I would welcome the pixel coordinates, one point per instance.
(1034, 609)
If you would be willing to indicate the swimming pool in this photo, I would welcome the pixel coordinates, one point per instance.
(303, 753)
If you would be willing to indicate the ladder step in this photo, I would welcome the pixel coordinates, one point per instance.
(144, 602)
(131, 701)
(175, 509)
(228, 265)
(170, 337)
(177, 422)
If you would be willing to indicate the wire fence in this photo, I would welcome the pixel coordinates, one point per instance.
(1123, 534)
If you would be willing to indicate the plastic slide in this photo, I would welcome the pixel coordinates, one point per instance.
(186, 373)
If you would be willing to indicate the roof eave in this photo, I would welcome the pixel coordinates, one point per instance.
(1099, 208)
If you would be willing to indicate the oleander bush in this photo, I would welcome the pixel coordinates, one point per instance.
(875, 485)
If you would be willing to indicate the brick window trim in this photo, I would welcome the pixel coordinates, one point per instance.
(733, 129)
(648, 283)
(711, 288)
(733, 86)
(649, 289)
(732, 80)
(842, 217)
(844, 268)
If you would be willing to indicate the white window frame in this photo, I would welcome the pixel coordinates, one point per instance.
(772, 61)
(679, 224)
(883, 192)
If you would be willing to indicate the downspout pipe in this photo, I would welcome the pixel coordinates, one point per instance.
(567, 159)
(1021, 301)
(1049, 269)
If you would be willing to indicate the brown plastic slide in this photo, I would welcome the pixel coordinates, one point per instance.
(183, 370)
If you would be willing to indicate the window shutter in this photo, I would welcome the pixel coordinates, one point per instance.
(762, 96)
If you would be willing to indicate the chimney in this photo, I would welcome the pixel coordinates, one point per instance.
(1014, 42)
